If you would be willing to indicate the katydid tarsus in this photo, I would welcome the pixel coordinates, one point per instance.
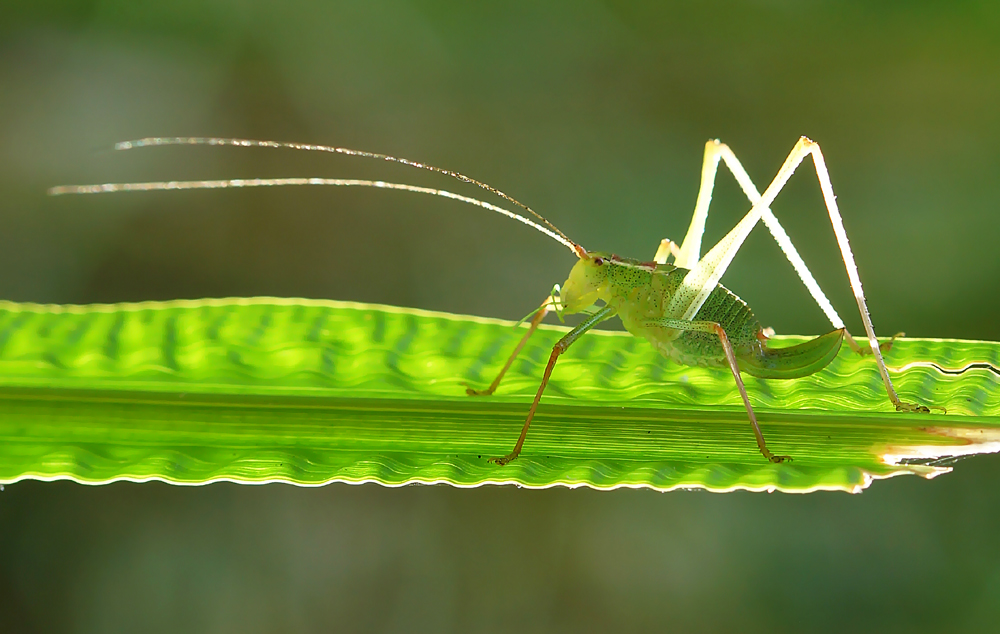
(679, 307)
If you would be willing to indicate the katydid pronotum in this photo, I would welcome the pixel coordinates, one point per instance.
(679, 307)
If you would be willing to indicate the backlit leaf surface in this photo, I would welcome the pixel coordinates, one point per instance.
(311, 392)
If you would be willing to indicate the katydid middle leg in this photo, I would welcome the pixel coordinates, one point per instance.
(716, 329)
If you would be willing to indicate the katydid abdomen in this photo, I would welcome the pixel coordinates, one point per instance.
(640, 293)
(750, 345)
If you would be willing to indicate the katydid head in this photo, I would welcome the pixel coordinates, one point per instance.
(587, 281)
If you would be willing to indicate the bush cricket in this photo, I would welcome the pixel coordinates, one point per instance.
(679, 307)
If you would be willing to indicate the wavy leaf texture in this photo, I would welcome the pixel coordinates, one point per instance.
(311, 392)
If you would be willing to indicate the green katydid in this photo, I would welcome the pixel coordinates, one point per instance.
(679, 307)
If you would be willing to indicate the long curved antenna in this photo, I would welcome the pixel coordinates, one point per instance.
(272, 182)
(158, 141)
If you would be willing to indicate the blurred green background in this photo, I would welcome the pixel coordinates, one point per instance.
(596, 115)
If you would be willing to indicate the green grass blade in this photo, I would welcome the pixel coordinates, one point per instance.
(310, 392)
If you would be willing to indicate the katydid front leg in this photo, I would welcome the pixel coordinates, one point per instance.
(535, 320)
(558, 349)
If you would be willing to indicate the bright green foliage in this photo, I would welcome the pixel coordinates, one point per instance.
(309, 392)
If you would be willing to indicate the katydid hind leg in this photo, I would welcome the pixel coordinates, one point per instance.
(715, 151)
(689, 252)
(884, 346)
(811, 148)
(787, 247)
(705, 275)
(776, 230)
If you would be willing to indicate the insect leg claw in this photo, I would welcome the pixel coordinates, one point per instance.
(913, 407)
(471, 391)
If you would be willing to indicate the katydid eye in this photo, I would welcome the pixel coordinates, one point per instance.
(598, 261)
